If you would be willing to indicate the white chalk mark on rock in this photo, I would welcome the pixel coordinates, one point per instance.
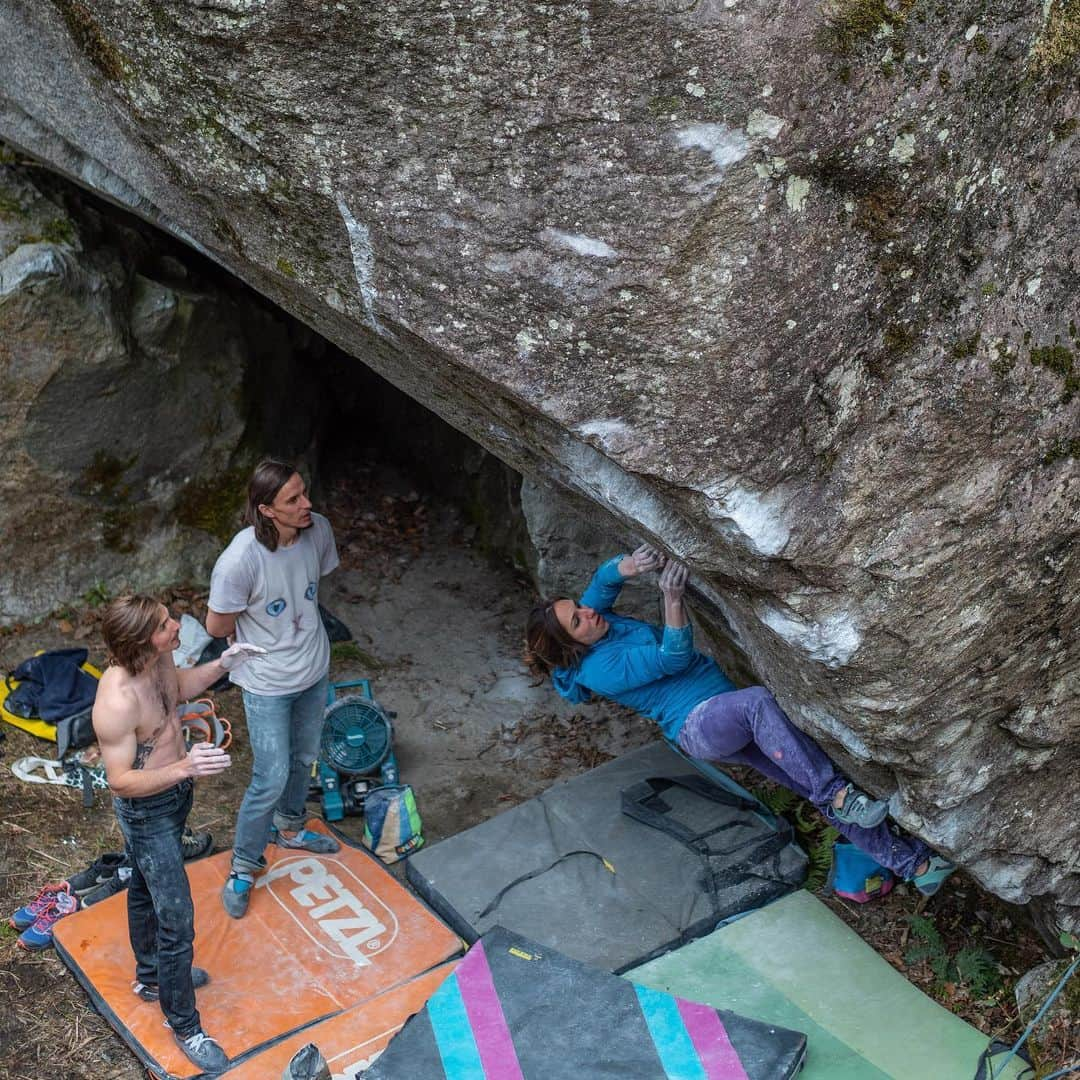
(723, 144)
(583, 245)
(363, 261)
(831, 640)
(755, 519)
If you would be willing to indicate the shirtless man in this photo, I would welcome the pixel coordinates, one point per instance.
(151, 774)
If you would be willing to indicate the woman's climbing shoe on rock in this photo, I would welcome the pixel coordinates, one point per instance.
(938, 870)
(859, 809)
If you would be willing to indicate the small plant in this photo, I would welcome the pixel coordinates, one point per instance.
(97, 594)
(815, 834)
(344, 652)
(972, 967)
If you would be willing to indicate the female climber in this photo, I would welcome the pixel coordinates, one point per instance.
(588, 649)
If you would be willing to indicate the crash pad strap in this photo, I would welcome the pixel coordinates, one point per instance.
(536, 873)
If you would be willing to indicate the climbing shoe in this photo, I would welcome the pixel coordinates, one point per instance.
(237, 894)
(104, 868)
(859, 809)
(196, 844)
(40, 935)
(929, 882)
(29, 914)
(203, 1052)
(149, 991)
(306, 840)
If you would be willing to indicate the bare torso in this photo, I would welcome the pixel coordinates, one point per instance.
(150, 699)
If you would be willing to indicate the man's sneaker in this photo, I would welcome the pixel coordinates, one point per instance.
(237, 894)
(196, 844)
(29, 914)
(859, 809)
(305, 840)
(937, 871)
(203, 1052)
(149, 991)
(117, 883)
(104, 868)
(39, 936)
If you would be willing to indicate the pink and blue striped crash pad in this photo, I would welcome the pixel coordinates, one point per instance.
(515, 1010)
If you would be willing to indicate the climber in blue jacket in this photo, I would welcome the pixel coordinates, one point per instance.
(586, 648)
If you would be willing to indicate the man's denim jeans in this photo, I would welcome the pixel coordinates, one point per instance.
(284, 731)
(161, 917)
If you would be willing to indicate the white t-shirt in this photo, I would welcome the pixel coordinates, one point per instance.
(276, 597)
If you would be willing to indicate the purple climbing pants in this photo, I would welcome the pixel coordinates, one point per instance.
(747, 727)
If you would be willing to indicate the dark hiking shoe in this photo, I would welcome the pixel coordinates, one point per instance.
(305, 840)
(196, 844)
(859, 809)
(149, 991)
(203, 1052)
(87, 880)
(117, 883)
(237, 894)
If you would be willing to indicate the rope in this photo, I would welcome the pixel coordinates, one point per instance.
(1035, 1023)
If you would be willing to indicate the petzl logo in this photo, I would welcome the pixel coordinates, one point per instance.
(332, 906)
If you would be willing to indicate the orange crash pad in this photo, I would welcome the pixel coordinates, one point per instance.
(323, 933)
(352, 1040)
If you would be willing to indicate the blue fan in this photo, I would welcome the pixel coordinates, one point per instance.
(357, 743)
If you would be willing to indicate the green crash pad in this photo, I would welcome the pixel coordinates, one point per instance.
(795, 964)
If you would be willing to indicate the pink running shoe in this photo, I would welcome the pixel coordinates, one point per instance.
(30, 913)
(39, 936)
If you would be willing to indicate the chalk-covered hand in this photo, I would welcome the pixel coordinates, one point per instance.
(673, 579)
(206, 760)
(647, 558)
(238, 654)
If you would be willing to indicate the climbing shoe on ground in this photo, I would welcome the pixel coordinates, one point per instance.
(104, 868)
(117, 883)
(936, 873)
(29, 914)
(149, 991)
(237, 894)
(306, 840)
(859, 809)
(203, 1052)
(40, 935)
(196, 844)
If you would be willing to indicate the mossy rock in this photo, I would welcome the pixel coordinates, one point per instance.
(214, 504)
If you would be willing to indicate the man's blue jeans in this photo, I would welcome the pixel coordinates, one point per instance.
(284, 731)
(748, 727)
(161, 916)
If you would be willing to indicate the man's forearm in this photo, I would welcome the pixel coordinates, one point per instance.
(193, 681)
(139, 783)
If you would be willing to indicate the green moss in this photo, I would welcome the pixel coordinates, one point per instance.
(965, 347)
(286, 267)
(10, 206)
(348, 652)
(981, 44)
(989, 288)
(214, 504)
(944, 79)
(91, 40)
(898, 339)
(1064, 128)
(58, 231)
(1060, 360)
(1061, 449)
(1060, 41)
(664, 104)
(851, 23)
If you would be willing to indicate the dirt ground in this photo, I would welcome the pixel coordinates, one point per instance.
(437, 630)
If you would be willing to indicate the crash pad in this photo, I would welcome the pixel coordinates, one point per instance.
(322, 933)
(571, 869)
(516, 1010)
(796, 964)
(352, 1040)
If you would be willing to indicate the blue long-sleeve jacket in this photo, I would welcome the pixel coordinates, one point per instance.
(657, 672)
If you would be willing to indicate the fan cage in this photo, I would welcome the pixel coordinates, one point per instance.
(364, 718)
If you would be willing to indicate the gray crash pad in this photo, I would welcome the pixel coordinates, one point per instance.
(570, 869)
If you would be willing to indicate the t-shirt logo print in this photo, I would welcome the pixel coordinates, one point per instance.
(310, 591)
(276, 607)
